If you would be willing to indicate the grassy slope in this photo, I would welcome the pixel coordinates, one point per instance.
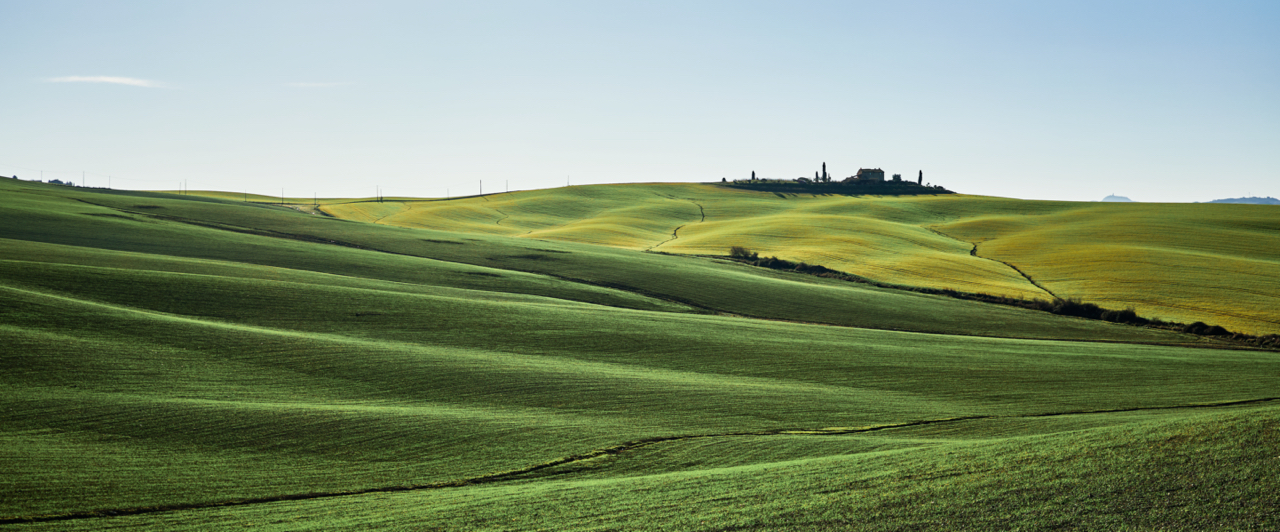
(154, 360)
(230, 231)
(1189, 262)
(1146, 475)
(260, 377)
(835, 231)
(1206, 262)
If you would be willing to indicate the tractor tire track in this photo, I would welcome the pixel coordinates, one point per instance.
(973, 252)
(597, 453)
(674, 235)
(702, 217)
(1020, 272)
(701, 212)
(380, 218)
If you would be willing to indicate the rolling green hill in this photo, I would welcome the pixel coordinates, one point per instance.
(1178, 262)
(184, 362)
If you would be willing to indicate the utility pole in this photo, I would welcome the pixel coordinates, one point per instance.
(481, 187)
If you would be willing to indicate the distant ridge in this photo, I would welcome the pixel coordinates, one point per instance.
(1251, 200)
(1114, 197)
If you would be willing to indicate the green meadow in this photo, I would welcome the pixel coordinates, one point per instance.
(588, 358)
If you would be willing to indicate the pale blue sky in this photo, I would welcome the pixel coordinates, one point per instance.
(1158, 101)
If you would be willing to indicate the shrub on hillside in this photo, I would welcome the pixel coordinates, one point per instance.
(773, 263)
(815, 269)
(1270, 340)
(1216, 330)
(741, 253)
(1073, 306)
(1195, 328)
(1204, 329)
(1127, 315)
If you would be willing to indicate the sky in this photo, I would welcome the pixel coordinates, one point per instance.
(1159, 101)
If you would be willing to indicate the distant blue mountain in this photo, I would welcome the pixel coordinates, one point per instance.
(1114, 197)
(1254, 201)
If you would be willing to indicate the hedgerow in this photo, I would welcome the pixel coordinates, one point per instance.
(1064, 307)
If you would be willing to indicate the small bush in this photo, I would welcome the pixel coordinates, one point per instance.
(741, 253)
(1075, 307)
(774, 263)
(1127, 315)
(1195, 328)
(1216, 330)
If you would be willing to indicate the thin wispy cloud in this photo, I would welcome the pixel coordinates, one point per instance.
(117, 80)
(320, 84)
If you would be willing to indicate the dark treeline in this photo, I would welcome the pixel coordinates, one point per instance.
(885, 188)
(1065, 307)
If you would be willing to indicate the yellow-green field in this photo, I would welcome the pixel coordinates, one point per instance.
(1179, 262)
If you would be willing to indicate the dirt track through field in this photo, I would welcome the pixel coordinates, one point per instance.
(675, 233)
(973, 252)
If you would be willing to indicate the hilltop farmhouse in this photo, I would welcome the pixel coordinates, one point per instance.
(867, 174)
(866, 181)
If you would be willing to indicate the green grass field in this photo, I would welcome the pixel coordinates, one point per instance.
(200, 362)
